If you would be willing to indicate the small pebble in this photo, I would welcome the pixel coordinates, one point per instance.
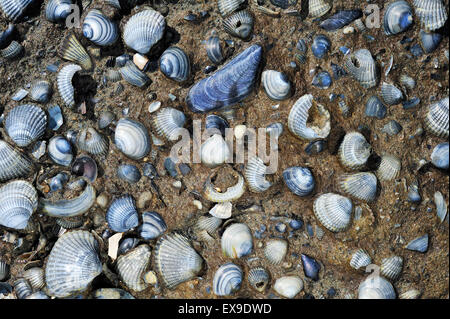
(176, 184)
(144, 199)
(197, 204)
(102, 200)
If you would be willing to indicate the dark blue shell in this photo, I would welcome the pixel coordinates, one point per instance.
(129, 173)
(322, 80)
(213, 121)
(338, 71)
(311, 267)
(283, 4)
(340, 19)
(6, 36)
(430, 41)
(375, 108)
(229, 85)
(321, 45)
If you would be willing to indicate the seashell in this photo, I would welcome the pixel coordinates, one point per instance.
(397, 17)
(41, 91)
(429, 41)
(129, 173)
(215, 151)
(229, 6)
(318, 8)
(255, 174)
(360, 25)
(360, 258)
(361, 65)
(58, 10)
(99, 29)
(231, 194)
(227, 279)
(12, 51)
(72, 50)
(222, 210)
(319, 124)
(354, 151)
(340, 19)
(35, 277)
(131, 73)
(153, 225)
(14, 9)
(64, 81)
(288, 286)
(391, 94)
(375, 108)
(276, 84)
(113, 76)
(89, 140)
(174, 63)
(376, 287)
(60, 151)
(214, 49)
(229, 85)
(302, 49)
(69, 207)
(239, 24)
(127, 244)
(389, 168)
(333, 211)
(217, 123)
(311, 267)
(392, 128)
(431, 13)
(4, 270)
(407, 81)
(276, 250)
(322, 80)
(73, 264)
(122, 215)
(413, 192)
(419, 244)
(169, 123)
(275, 129)
(258, 278)
(7, 35)
(436, 119)
(19, 95)
(362, 186)
(175, 260)
(22, 288)
(13, 164)
(18, 200)
(320, 46)
(143, 30)
(85, 166)
(237, 241)
(410, 294)
(208, 223)
(391, 267)
(131, 267)
(105, 119)
(111, 293)
(70, 223)
(299, 180)
(25, 124)
(441, 206)
(132, 139)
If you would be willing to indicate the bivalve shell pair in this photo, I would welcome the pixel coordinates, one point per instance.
(64, 81)
(397, 17)
(132, 138)
(432, 13)
(237, 241)
(18, 201)
(333, 211)
(25, 124)
(169, 122)
(276, 84)
(122, 215)
(436, 119)
(376, 287)
(227, 279)
(362, 67)
(239, 24)
(13, 164)
(255, 174)
(132, 265)
(299, 180)
(354, 151)
(100, 29)
(174, 63)
(362, 186)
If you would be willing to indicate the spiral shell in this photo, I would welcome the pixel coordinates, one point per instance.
(176, 260)
(354, 151)
(276, 250)
(72, 50)
(375, 108)
(228, 6)
(299, 180)
(391, 94)
(100, 29)
(41, 91)
(35, 277)
(64, 81)
(391, 267)
(389, 168)
(227, 279)
(89, 140)
(237, 241)
(397, 17)
(60, 151)
(436, 119)
(122, 215)
(276, 84)
(361, 66)
(14, 9)
(258, 278)
(376, 287)
(288, 286)
(131, 73)
(431, 13)
(13, 164)
(143, 30)
(153, 225)
(231, 194)
(58, 10)
(169, 122)
(12, 51)
(132, 139)
(362, 186)
(360, 258)
(318, 8)
(132, 265)
(239, 24)
(255, 173)
(174, 63)
(18, 200)
(333, 211)
(25, 124)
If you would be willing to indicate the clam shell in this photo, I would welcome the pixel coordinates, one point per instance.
(18, 201)
(73, 264)
(169, 122)
(419, 244)
(361, 66)
(122, 215)
(432, 13)
(299, 180)
(389, 168)
(41, 91)
(362, 186)
(64, 81)
(276, 250)
(375, 108)
(391, 94)
(222, 210)
(318, 8)
(237, 241)
(60, 151)
(129, 173)
(239, 24)
(131, 73)
(321, 46)
(208, 223)
(255, 173)
(231, 194)
(320, 125)
(174, 63)
(13, 164)
(436, 119)
(288, 286)
(215, 151)
(25, 124)
(35, 277)
(112, 293)
(441, 206)
(228, 6)
(276, 84)
(12, 51)
(360, 258)
(58, 10)
(259, 278)
(227, 279)
(13, 9)
(429, 41)
(340, 19)
(131, 267)
(153, 225)
(354, 151)
(89, 140)
(175, 260)
(333, 211)
(100, 29)
(132, 139)
(143, 30)
(72, 50)
(22, 288)
(391, 267)
(376, 287)
(214, 50)
(397, 18)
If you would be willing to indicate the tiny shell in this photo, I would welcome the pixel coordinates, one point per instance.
(318, 8)
(231, 194)
(174, 63)
(41, 91)
(419, 244)
(299, 180)
(35, 277)
(60, 151)
(391, 94)
(239, 24)
(169, 122)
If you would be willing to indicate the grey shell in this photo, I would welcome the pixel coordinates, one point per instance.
(13, 164)
(122, 214)
(391, 94)
(131, 73)
(89, 140)
(391, 267)
(354, 151)
(276, 250)
(60, 150)
(132, 138)
(389, 168)
(168, 122)
(18, 201)
(419, 244)
(360, 258)
(41, 91)
(25, 124)
(318, 8)
(35, 277)
(227, 279)
(237, 241)
(132, 265)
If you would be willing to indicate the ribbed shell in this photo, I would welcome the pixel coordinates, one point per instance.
(276, 250)
(4, 270)
(100, 29)
(391, 94)
(362, 186)
(239, 24)
(131, 73)
(175, 260)
(276, 84)
(208, 223)
(72, 50)
(73, 264)
(143, 30)
(375, 108)
(25, 124)
(60, 151)
(132, 139)
(288, 286)
(318, 8)
(360, 258)
(57, 10)
(298, 118)
(35, 277)
(389, 168)
(168, 122)
(299, 180)
(259, 278)
(89, 140)
(131, 267)
(419, 244)
(255, 173)
(122, 215)
(174, 63)
(391, 267)
(13, 164)
(333, 211)
(64, 81)
(227, 279)
(376, 287)
(397, 17)
(222, 210)
(18, 200)
(12, 51)
(41, 91)
(237, 241)
(354, 151)
(432, 13)
(436, 119)
(228, 6)
(13, 9)
(361, 66)
(22, 288)
(153, 225)
(232, 193)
